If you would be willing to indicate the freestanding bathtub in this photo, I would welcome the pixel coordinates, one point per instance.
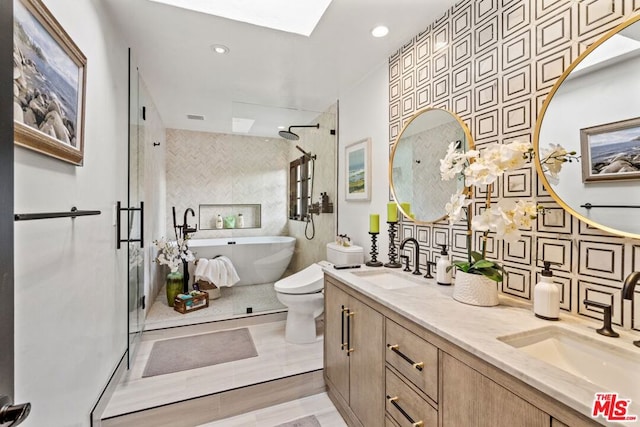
(261, 259)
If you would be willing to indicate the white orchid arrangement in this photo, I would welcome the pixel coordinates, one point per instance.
(172, 254)
(505, 218)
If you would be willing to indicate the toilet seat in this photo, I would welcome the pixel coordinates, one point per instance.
(307, 281)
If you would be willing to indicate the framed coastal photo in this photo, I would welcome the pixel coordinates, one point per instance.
(358, 170)
(49, 74)
(611, 151)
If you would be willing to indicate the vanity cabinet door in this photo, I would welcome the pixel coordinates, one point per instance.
(336, 358)
(366, 396)
(473, 400)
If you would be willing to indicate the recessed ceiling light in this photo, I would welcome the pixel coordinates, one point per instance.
(282, 127)
(380, 31)
(219, 48)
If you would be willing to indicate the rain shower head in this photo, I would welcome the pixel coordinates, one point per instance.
(287, 134)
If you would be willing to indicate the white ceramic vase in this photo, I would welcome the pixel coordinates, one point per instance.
(475, 289)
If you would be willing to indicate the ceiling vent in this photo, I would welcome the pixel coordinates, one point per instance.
(195, 117)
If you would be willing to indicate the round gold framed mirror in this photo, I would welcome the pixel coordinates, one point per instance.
(594, 110)
(414, 169)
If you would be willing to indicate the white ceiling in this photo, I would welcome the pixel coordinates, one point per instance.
(270, 76)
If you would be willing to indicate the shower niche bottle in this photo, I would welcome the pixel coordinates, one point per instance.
(240, 221)
(219, 221)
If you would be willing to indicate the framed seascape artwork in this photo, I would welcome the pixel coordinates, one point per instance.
(358, 170)
(49, 74)
(611, 151)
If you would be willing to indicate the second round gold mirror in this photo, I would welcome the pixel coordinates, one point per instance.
(414, 170)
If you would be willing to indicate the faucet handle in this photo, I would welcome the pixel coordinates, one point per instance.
(406, 262)
(429, 275)
(606, 329)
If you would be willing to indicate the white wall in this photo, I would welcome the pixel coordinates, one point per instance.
(70, 281)
(364, 112)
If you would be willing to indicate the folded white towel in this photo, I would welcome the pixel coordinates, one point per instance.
(219, 271)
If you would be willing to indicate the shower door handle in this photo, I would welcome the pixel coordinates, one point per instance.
(119, 239)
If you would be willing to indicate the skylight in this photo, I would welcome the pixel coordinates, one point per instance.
(292, 16)
(241, 125)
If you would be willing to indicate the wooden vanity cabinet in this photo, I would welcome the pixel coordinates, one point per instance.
(354, 358)
(453, 388)
(471, 399)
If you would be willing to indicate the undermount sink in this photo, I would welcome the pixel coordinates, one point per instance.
(610, 368)
(387, 279)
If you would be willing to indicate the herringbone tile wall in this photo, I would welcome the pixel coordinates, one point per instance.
(222, 169)
(493, 62)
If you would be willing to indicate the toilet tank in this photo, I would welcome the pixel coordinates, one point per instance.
(343, 255)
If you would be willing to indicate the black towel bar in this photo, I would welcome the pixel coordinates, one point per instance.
(46, 215)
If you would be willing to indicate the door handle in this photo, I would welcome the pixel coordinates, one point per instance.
(119, 239)
(349, 315)
(12, 415)
(343, 344)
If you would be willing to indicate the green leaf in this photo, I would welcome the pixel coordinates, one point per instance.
(477, 256)
(483, 263)
(462, 265)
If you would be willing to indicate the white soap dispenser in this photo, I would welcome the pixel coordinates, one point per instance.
(443, 272)
(240, 222)
(546, 296)
(219, 221)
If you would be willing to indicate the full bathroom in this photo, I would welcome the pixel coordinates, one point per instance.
(258, 224)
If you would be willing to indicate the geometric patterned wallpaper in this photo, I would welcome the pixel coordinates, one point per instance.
(493, 62)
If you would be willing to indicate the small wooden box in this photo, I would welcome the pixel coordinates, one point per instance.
(193, 303)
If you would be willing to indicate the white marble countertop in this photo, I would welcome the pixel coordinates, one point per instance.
(476, 329)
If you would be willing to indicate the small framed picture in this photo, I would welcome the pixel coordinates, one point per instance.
(611, 151)
(49, 74)
(358, 170)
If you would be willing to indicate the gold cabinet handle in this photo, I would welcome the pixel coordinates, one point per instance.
(396, 349)
(394, 401)
(349, 349)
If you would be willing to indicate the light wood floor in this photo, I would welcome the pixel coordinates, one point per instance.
(318, 405)
(276, 359)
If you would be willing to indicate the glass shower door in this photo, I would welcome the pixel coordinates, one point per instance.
(135, 214)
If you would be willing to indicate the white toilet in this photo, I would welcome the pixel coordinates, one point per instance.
(302, 293)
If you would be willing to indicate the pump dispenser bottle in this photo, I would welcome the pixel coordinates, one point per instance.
(444, 277)
(219, 221)
(546, 296)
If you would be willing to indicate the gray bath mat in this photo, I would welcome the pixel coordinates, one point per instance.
(181, 354)
(310, 421)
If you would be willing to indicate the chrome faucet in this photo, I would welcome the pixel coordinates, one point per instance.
(416, 256)
(628, 290)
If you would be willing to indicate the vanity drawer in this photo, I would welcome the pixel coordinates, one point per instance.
(405, 406)
(413, 357)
